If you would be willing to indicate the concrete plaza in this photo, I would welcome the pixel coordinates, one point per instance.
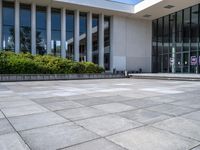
(118, 114)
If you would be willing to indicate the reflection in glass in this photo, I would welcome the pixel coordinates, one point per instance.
(107, 43)
(186, 30)
(56, 32)
(166, 35)
(165, 63)
(193, 61)
(154, 48)
(185, 62)
(8, 26)
(179, 31)
(41, 38)
(25, 28)
(83, 37)
(70, 35)
(95, 39)
(178, 62)
(183, 31)
(194, 28)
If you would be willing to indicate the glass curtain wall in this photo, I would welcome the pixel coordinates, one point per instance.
(25, 28)
(95, 39)
(70, 34)
(107, 43)
(194, 44)
(154, 47)
(83, 37)
(176, 42)
(56, 32)
(8, 22)
(41, 31)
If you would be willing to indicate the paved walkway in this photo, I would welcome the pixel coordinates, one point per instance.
(120, 114)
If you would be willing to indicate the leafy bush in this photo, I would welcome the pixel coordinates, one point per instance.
(25, 63)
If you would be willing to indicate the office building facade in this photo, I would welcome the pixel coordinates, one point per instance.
(152, 35)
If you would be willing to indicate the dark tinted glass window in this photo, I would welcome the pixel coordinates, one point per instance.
(56, 32)
(160, 36)
(166, 35)
(8, 22)
(95, 39)
(70, 34)
(41, 33)
(107, 42)
(186, 29)
(25, 28)
(183, 54)
(194, 28)
(83, 37)
(8, 13)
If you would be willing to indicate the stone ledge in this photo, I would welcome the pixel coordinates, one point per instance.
(167, 76)
(48, 77)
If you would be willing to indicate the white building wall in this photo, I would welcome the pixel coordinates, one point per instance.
(131, 44)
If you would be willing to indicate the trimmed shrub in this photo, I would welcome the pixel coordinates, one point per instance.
(25, 63)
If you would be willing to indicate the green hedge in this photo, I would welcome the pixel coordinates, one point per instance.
(25, 63)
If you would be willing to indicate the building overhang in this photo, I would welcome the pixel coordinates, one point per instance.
(146, 9)
(154, 9)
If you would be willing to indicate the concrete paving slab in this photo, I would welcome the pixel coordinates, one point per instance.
(193, 116)
(50, 99)
(5, 127)
(4, 94)
(171, 109)
(98, 144)
(181, 126)
(196, 148)
(8, 104)
(23, 110)
(113, 107)
(161, 99)
(117, 98)
(62, 105)
(107, 125)
(192, 103)
(144, 116)
(12, 98)
(36, 120)
(139, 103)
(56, 136)
(78, 97)
(80, 113)
(93, 101)
(12, 141)
(1, 115)
(148, 138)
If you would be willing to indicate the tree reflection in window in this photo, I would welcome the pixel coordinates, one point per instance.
(8, 21)
(25, 28)
(41, 38)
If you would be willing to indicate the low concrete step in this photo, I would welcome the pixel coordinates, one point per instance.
(163, 76)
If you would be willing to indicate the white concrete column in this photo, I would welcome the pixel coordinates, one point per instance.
(17, 28)
(1, 25)
(101, 40)
(89, 37)
(111, 43)
(33, 28)
(63, 33)
(76, 36)
(49, 30)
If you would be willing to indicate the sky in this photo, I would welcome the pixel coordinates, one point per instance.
(133, 2)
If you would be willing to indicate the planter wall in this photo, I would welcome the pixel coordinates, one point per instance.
(48, 77)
